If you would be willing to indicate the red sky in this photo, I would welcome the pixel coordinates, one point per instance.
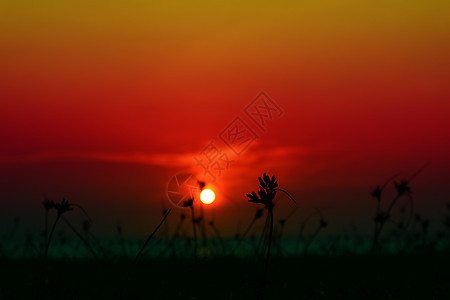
(104, 103)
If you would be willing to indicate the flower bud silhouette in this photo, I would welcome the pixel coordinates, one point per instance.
(268, 188)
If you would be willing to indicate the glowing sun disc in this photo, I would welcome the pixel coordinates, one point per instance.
(207, 196)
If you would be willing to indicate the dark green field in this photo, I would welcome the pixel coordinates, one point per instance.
(315, 277)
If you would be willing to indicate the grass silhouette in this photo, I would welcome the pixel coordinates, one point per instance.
(259, 213)
(300, 236)
(190, 204)
(322, 225)
(138, 255)
(61, 208)
(268, 189)
(411, 259)
(403, 189)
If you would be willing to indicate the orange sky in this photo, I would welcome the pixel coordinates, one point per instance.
(104, 101)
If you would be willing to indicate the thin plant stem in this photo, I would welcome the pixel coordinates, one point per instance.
(269, 242)
(392, 204)
(80, 236)
(375, 233)
(47, 245)
(245, 233)
(195, 232)
(151, 236)
(302, 228)
(380, 224)
(170, 243)
(46, 227)
(313, 237)
(264, 238)
(138, 255)
(281, 190)
(202, 225)
(218, 236)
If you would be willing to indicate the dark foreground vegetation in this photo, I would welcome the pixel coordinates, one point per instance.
(403, 259)
(314, 277)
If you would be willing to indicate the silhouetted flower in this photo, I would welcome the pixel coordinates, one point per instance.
(402, 187)
(267, 191)
(376, 192)
(259, 213)
(63, 206)
(189, 203)
(267, 183)
(265, 195)
(254, 198)
(201, 184)
(323, 223)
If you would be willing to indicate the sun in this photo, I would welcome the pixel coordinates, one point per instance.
(207, 196)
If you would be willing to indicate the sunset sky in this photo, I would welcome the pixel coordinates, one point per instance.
(104, 101)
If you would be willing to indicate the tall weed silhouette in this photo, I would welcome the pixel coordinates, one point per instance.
(268, 188)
